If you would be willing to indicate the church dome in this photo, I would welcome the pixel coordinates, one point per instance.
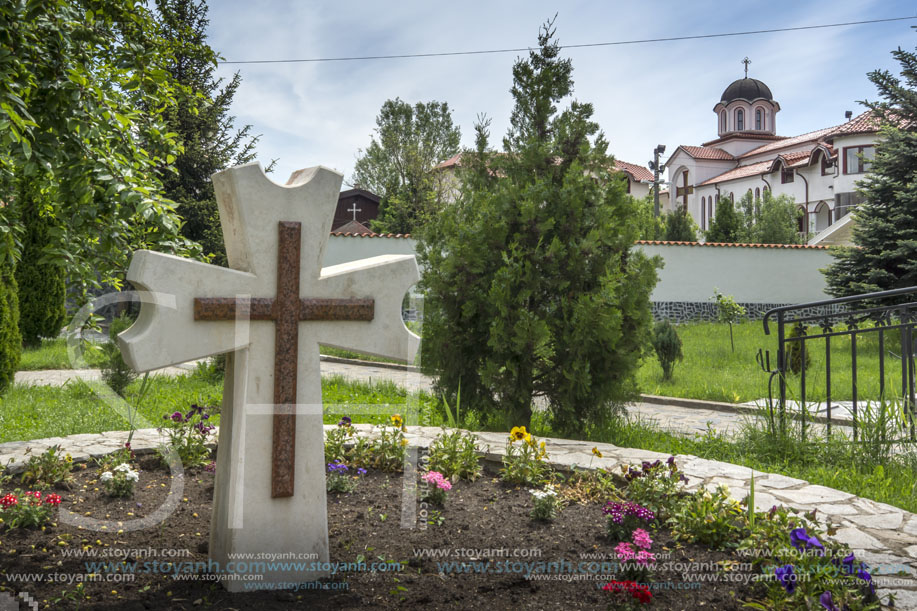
(746, 89)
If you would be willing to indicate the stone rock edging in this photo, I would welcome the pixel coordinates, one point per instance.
(879, 534)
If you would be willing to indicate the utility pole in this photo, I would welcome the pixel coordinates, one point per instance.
(657, 170)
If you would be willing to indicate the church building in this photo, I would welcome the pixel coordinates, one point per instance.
(818, 169)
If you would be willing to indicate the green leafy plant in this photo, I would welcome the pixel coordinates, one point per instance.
(336, 440)
(386, 452)
(188, 434)
(547, 504)
(115, 372)
(339, 478)
(28, 509)
(622, 519)
(455, 454)
(658, 486)
(123, 456)
(49, 469)
(667, 345)
(710, 518)
(728, 311)
(524, 460)
(119, 482)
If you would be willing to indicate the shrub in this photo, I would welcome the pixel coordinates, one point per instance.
(49, 469)
(10, 338)
(667, 345)
(115, 372)
(455, 455)
(523, 462)
(794, 350)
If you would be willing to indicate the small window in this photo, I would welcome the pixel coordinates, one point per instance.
(858, 159)
(757, 193)
(723, 121)
(703, 213)
(787, 175)
(759, 119)
(826, 165)
(740, 119)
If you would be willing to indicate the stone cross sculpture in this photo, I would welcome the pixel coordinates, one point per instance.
(269, 497)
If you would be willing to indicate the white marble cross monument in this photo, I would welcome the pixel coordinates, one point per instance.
(269, 497)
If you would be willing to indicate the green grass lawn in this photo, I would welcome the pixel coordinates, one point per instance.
(52, 354)
(710, 370)
(34, 412)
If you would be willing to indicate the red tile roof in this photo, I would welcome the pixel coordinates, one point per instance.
(349, 234)
(862, 124)
(353, 227)
(789, 142)
(706, 152)
(724, 245)
(455, 160)
(743, 171)
(637, 172)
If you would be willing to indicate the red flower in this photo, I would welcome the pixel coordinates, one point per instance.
(8, 501)
(53, 499)
(638, 591)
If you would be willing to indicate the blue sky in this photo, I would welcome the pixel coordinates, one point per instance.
(647, 94)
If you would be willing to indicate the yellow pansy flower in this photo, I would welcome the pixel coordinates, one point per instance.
(517, 434)
(595, 452)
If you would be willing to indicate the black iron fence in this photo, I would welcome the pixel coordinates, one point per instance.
(879, 328)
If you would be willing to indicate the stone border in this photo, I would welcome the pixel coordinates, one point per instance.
(879, 534)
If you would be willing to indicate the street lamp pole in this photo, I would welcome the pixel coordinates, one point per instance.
(657, 169)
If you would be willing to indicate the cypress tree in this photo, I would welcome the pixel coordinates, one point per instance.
(726, 226)
(42, 287)
(10, 338)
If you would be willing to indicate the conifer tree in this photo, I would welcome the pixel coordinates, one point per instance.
(532, 288)
(41, 282)
(10, 338)
(211, 142)
(726, 226)
(885, 233)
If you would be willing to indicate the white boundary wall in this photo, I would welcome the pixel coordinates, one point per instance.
(751, 274)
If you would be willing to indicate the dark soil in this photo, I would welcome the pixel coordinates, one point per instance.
(480, 522)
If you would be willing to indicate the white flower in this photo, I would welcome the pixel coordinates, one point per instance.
(106, 477)
(123, 467)
(542, 494)
(132, 476)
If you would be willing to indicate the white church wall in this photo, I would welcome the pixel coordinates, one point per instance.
(847, 182)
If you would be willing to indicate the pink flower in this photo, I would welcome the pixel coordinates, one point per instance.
(642, 539)
(644, 557)
(624, 551)
(444, 484)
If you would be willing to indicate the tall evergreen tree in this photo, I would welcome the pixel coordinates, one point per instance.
(531, 285)
(885, 233)
(211, 142)
(41, 280)
(680, 227)
(10, 338)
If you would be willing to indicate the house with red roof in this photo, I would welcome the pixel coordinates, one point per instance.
(817, 169)
(639, 178)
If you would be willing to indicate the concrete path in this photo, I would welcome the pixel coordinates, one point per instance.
(883, 536)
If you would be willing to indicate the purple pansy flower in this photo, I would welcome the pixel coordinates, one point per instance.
(787, 577)
(827, 602)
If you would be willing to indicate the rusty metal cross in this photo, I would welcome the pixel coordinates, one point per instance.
(287, 309)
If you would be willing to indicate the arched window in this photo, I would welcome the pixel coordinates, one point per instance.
(723, 121)
(757, 193)
(740, 119)
(710, 207)
(759, 118)
(703, 213)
